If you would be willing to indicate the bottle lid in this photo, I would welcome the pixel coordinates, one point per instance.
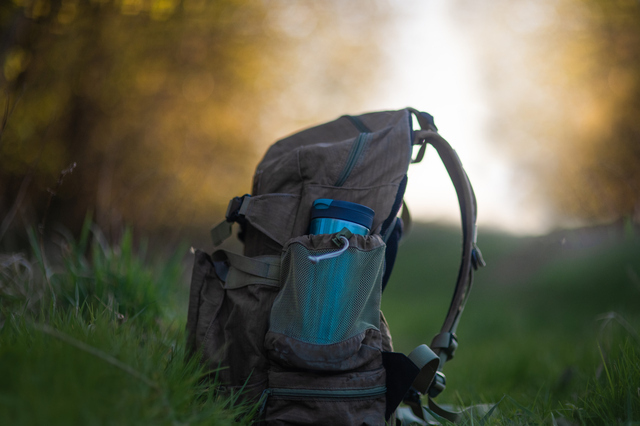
(344, 210)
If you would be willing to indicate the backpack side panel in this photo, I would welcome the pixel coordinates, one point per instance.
(227, 321)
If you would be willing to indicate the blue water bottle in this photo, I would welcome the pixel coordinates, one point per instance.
(329, 216)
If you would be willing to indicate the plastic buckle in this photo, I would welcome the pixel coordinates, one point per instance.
(448, 342)
(412, 395)
(233, 209)
(343, 233)
(430, 120)
(438, 385)
(453, 345)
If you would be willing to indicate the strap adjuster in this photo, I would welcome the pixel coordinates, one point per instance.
(237, 208)
(438, 385)
(448, 342)
(476, 258)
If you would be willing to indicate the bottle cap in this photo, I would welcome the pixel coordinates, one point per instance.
(344, 210)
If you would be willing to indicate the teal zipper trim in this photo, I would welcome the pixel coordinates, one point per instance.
(354, 154)
(358, 124)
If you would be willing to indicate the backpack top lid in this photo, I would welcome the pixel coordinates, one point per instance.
(362, 160)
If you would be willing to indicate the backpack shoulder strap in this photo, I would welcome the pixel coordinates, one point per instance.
(444, 344)
(471, 255)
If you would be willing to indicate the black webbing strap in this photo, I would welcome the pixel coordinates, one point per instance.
(235, 213)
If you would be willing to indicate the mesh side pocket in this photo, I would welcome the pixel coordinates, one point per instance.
(333, 300)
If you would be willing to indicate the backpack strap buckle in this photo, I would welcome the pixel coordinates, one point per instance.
(438, 385)
(236, 210)
(446, 342)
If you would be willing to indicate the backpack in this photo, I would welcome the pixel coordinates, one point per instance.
(305, 338)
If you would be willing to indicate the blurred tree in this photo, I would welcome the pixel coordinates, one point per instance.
(167, 105)
(564, 77)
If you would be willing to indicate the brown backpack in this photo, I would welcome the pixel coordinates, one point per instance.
(307, 339)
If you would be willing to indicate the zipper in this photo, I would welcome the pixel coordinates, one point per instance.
(358, 124)
(356, 151)
(329, 393)
(325, 393)
(320, 393)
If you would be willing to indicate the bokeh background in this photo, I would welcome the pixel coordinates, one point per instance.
(166, 106)
(152, 114)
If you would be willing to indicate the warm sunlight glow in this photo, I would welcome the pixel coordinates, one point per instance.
(435, 70)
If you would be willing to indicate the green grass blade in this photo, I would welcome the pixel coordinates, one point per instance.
(486, 417)
(95, 352)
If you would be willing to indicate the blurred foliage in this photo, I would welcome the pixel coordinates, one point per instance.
(89, 275)
(166, 106)
(94, 334)
(546, 318)
(564, 81)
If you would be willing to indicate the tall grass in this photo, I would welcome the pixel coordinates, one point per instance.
(92, 333)
(91, 339)
(614, 392)
(542, 317)
(607, 394)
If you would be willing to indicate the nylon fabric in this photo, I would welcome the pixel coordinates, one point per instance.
(307, 164)
(260, 266)
(273, 215)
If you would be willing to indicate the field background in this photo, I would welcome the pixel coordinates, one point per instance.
(542, 317)
(536, 317)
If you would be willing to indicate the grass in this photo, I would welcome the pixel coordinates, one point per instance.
(538, 317)
(94, 334)
(98, 339)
